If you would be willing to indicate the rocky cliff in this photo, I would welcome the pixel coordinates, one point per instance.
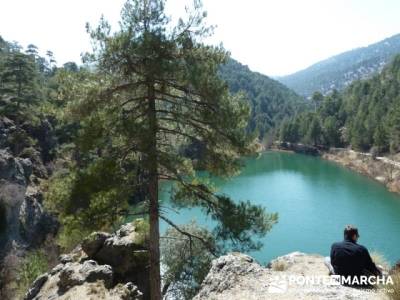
(104, 266)
(24, 163)
(237, 276)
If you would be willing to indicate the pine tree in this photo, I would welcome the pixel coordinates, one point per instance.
(158, 90)
(380, 139)
(314, 132)
(394, 131)
(331, 132)
(317, 99)
(18, 83)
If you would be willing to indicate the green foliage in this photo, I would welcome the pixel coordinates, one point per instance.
(289, 131)
(26, 91)
(380, 138)
(186, 258)
(142, 228)
(34, 264)
(270, 101)
(92, 197)
(313, 134)
(331, 131)
(19, 84)
(187, 251)
(366, 115)
(71, 234)
(155, 89)
(394, 126)
(240, 223)
(19, 140)
(191, 102)
(317, 99)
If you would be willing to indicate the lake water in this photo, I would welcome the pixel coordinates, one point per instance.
(315, 199)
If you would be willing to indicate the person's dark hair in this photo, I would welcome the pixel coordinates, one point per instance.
(349, 231)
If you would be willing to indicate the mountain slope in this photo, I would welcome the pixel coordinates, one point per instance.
(365, 116)
(270, 100)
(339, 71)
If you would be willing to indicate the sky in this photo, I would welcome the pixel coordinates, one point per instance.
(274, 37)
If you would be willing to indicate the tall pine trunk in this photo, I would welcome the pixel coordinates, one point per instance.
(154, 247)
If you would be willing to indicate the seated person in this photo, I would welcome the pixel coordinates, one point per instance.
(349, 258)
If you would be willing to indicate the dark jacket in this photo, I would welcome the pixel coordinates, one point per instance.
(351, 259)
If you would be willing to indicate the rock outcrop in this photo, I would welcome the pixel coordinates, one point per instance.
(105, 266)
(237, 276)
(25, 153)
(25, 223)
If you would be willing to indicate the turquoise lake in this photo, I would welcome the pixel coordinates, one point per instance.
(315, 199)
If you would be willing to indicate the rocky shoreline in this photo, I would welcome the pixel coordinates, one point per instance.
(384, 169)
(381, 169)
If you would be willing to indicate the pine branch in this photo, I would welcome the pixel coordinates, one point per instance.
(191, 236)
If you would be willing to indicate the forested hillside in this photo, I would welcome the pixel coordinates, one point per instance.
(339, 71)
(270, 100)
(366, 116)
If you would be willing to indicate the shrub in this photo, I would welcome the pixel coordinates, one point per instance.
(396, 286)
(30, 153)
(379, 259)
(18, 140)
(34, 264)
(186, 263)
(279, 265)
(71, 234)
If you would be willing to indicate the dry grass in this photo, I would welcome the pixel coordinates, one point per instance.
(280, 266)
(379, 259)
(396, 286)
(394, 293)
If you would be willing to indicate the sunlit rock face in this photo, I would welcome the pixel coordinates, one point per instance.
(104, 266)
(238, 276)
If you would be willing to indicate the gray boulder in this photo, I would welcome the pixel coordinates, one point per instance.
(127, 245)
(36, 286)
(237, 276)
(92, 244)
(13, 169)
(81, 281)
(76, 274)
(35, 222)
(106, 266)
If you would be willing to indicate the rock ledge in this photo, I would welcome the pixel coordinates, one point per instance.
(237, 276)
(105, 266)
